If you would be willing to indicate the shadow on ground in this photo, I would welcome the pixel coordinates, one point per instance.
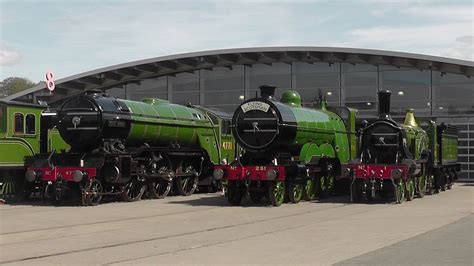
(220, 200)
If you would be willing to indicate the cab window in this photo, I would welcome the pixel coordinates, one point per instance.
(18, 123)
(226, 127)
(3, 119)
(30, 124)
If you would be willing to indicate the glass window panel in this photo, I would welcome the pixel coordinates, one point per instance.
(228, 108)
(277, 74)
(360, 82)
(317, 80)
(117, 93)
(223, 78)
(345, 67)
(307, 68)
(148, 88)
(186, 97)
(360, 79)
(410, 89)
(453, 94)
(185, 82)
(312, 95)
(18, 123)
(30, 124)
(228, 97)
(310, 78)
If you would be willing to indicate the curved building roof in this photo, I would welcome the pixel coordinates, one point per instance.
(117, 75)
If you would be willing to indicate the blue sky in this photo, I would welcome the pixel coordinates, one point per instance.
(74, 36)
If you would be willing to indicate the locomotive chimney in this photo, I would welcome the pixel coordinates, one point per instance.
(267, 91)
(384, 103)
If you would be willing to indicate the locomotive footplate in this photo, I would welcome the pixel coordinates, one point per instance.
(75, 174)
(249, 173)
(376, 172)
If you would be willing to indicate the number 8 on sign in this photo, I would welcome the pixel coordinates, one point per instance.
(50, 81)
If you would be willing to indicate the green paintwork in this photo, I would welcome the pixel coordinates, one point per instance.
(56, 142)
(410, 189)
(309, 189)
(400, 191)
(450, 149)
(450, 144)
(433, 146)
(320, 133)
(277, 193)
(351, 133)
(159, 122)
(291, 98)
(417, 138)
(16, 146)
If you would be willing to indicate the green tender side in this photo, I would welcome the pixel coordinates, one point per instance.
(450, 149)
(320, 133)
(158, 122)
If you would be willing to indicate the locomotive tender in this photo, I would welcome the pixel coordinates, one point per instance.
(403, 159)
(289, 149)
(121, 147)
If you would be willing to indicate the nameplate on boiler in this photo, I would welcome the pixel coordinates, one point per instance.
(250, 106)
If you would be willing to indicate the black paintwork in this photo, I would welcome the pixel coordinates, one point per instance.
(96, 116)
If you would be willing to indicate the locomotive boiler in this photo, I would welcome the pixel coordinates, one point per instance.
(289, 149)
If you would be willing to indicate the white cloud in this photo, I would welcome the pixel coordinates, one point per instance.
(443, 30)
(445, 12)
(462, 48)
(8, 56)
(136, 34)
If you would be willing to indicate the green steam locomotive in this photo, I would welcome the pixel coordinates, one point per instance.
(126, 148)
(289, 149)
(403, 159)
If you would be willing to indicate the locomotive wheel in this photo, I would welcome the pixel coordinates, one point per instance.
(449, 186)
(256, 197)
(326, 183)
(400, 191)
(187, 185)
(234, 196)
(356, 193)
(295, 192)
(410, 189)
(12, 189)
(159, 189)
(51, 194)
(430, 188)
(94, 190)
(133, 190)
(309, 190)
(276, 191)
(422, 185)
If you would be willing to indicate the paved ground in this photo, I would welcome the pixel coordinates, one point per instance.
(203, 229)
(451, 244)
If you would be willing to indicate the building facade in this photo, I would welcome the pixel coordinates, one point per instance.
(437, 88)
